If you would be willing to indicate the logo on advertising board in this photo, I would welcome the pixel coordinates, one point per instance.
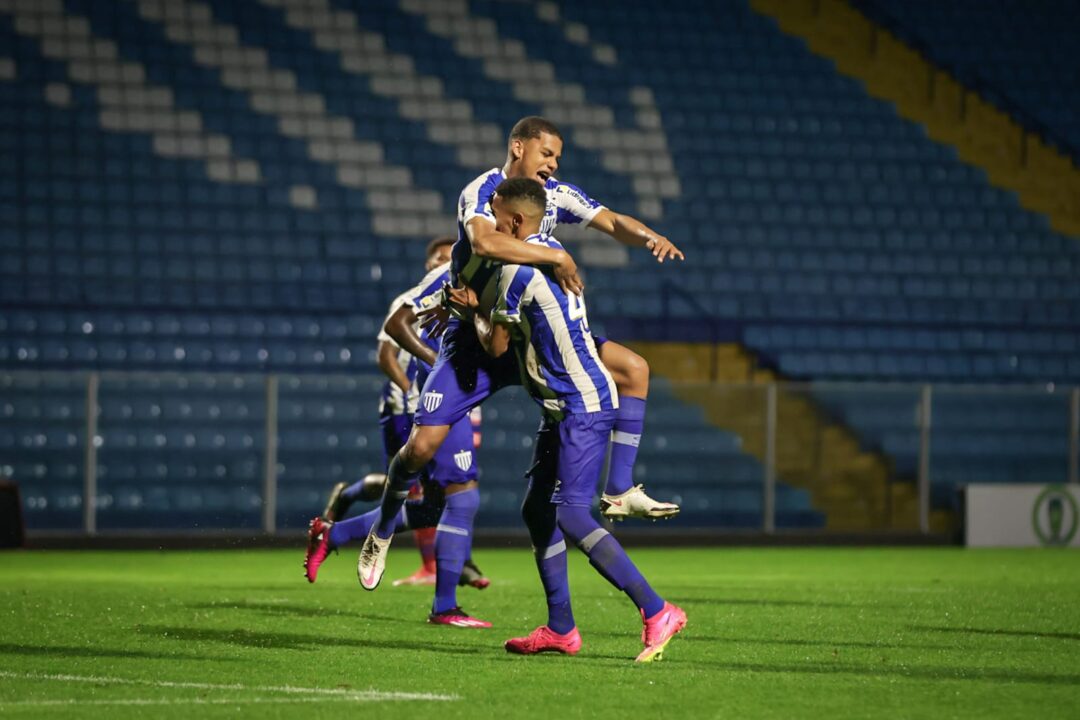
(1055, 516)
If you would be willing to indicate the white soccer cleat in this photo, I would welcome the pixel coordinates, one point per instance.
(635, 503)
(372, 562)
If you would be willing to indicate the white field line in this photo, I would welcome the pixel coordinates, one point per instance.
(183, 701)
(287, 689)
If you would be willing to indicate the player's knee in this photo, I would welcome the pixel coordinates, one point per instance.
(636, 374)
(418, 451)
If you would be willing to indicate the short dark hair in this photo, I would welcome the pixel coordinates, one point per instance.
(523, 188)
(533, 126)
(436, 243)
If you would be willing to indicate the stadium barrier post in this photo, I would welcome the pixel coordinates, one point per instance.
(768, 505)
(925, 415)
(93, 383)
(269, 507)
(1074, 436)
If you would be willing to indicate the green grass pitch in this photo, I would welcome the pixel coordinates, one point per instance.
(831, 633)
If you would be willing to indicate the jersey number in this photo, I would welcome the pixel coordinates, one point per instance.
(575, 307)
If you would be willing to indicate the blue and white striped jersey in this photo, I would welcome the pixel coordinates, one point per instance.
(566, 205)
(425, 295)
(392, 401)
(421, 296)
(554, 346)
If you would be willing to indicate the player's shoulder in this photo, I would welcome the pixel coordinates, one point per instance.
(545, 239)
(484, 181)
(561, 189)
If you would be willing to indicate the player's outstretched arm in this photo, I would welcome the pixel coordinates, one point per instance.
(400, 327)
(489, 243)
(387, 356)
(631, 231)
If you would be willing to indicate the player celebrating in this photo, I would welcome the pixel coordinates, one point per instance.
(397, 403)
(450, 495)
(464, 376)
(555, 349)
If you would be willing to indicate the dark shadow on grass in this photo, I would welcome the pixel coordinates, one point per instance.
(999, 631)
(272, 608)
(306, 611)
(95, 652)
(795, 642)
(761, 603)
(297, 641)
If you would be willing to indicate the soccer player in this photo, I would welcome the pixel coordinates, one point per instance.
(450, 498)
(464, 376)
(565, 375)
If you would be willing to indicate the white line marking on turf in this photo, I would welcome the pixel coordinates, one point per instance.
(289, 689)
(181, 701)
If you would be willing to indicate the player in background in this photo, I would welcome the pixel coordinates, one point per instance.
(548, 332)
(397, 404)
(463, 376)
(450, 498)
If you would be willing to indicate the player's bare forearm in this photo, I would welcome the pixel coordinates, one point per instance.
(493, 245)
(634, 233)
(387, 357)
(489, 243)
(494, 338)
(400, 327)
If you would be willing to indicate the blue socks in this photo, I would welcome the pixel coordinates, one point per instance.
(549, 549)
(551, 562)
(414, 516)
(453, 543)
(608, 557)
(357, 528)
(629, 424)
(398, 480)
(351, 494)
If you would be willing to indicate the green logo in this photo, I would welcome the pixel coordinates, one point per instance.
(1055, 516)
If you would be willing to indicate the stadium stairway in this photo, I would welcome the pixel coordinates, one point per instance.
(856, 488)
(1014, 157)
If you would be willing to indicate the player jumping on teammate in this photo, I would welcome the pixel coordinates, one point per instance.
(547, 329)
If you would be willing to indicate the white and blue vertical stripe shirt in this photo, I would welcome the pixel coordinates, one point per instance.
(421, 296)
(566, 205)
(554, 346)
(426, 295)
(392, 401)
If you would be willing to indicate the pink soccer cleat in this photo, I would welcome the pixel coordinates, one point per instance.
(544, 639)
(318, 546)
(458, 618)
(658, 631)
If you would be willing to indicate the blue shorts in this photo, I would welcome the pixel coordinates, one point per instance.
(569, 456)
(455, 460)
(463, 377)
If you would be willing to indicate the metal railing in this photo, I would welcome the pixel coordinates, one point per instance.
(858, 454)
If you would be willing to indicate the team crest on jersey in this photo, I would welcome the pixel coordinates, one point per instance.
(463, 460)
(432, 401)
